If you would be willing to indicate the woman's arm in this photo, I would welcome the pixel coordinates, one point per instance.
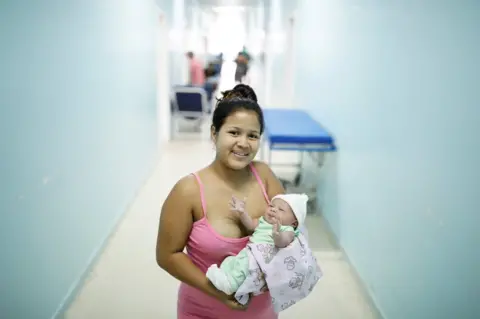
(176, 221)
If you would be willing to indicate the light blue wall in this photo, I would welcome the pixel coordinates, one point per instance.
(397, 83)
(78, 138)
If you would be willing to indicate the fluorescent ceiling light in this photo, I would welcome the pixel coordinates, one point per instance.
(228, 8)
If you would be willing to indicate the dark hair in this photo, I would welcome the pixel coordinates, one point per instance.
(241, 96)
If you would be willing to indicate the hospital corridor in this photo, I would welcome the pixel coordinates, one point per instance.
(371, 108)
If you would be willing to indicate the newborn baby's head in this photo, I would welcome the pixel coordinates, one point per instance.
(291, 209)
(284, 212)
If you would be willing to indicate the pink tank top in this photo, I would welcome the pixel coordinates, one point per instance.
(206, 247)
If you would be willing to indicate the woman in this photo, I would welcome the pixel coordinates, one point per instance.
(196, 213)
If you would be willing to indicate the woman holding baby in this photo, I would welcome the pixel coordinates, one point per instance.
(196, 214)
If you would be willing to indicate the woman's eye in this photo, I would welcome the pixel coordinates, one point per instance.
(254, 136)
(234, 133)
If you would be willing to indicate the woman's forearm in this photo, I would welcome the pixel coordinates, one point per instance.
(180, 266)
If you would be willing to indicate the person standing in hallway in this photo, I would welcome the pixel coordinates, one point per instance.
(242, 67)
(196, 72)
(196, 212)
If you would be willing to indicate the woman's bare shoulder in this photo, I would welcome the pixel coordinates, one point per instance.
(272, 183)
(181, 199)
(186, 186)
(263, 169)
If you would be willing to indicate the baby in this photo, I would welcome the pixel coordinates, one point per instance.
(277, 229)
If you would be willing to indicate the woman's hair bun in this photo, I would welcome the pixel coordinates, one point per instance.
(241, 91)
(241, 96)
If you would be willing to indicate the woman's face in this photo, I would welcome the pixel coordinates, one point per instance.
(238, 140)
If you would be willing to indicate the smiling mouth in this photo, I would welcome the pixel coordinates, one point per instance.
(241, 154)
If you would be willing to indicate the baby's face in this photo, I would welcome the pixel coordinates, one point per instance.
(284, 212)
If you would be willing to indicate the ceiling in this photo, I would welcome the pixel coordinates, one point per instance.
(217, 3)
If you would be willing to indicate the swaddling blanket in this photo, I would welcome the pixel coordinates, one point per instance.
(290, 273)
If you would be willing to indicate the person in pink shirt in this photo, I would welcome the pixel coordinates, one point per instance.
(196, 216)
(197, 75)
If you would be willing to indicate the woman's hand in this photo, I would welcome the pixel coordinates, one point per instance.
(265, 287)
(233, 304)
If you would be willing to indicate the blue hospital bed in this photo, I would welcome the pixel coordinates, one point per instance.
(294, 130)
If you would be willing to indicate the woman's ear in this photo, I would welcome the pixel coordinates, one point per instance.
(213, 134)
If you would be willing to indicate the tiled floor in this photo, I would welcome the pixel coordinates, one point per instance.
(126, 283)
